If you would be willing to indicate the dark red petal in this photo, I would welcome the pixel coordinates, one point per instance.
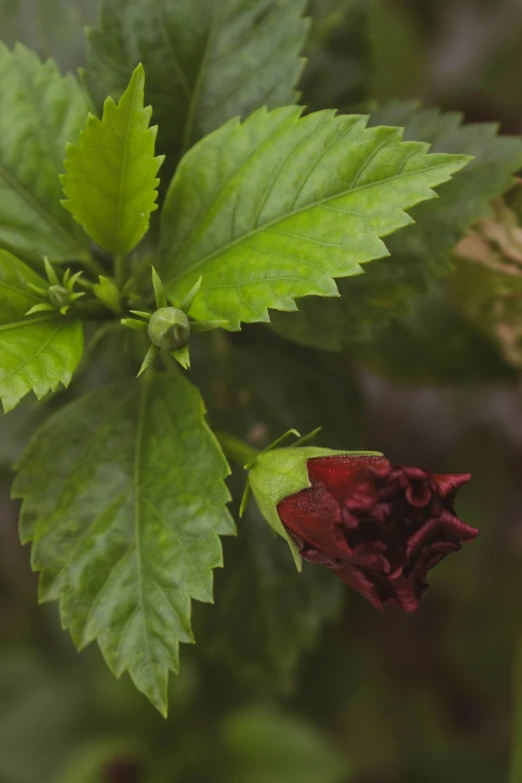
(370, 555)
(315, 516)
(418, 495)
(350, 521)
(402, 590)
(456, 527)
(357, 580)
(379, 527)
(420, 536)
(449, 483)
(414, 474)
(341, 474)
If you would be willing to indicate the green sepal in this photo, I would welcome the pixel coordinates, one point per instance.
(182, 356)
(188, 300)
(133, 323)
(142, 313)
(39, 308)
(159, 291)
(149, 358)
(207, 326)
(51, 274)
(279, 473)
(70, 280)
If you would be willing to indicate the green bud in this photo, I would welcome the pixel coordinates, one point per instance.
(59, 296)
(169, 328)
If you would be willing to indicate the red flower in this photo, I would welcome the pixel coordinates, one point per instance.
(380, 527)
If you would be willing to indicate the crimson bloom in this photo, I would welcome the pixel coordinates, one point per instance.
(379, 527)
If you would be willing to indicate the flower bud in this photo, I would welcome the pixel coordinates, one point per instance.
(59, 296)
(379, 527)
(169, 328)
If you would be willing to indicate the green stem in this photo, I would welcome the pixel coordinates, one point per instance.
(119, 271)
(92, 265)
(239, 452)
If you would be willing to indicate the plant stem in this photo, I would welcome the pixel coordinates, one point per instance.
(119, 270)
(92, 265)
(241, 453)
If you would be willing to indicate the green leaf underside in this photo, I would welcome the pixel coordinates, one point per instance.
(206, 60)
(280, 473)
(36, 352)
(111, 179)
(123, 501)
(40, 112)
(419, 253)
(277, 207)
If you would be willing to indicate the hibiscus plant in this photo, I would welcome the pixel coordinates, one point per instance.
(189, 183)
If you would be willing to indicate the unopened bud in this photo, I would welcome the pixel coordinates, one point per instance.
(169, 328)
(59, 296)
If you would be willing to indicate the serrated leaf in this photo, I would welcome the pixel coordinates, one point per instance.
(419, 253)
(111, 179)
(36, 352)
(338, 68)
(432, 343)
(40, 111)
(124, 502)
(206, 60)
(277, 207)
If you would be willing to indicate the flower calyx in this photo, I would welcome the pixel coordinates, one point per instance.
(169, 327)
(378, 526)
(59, 294)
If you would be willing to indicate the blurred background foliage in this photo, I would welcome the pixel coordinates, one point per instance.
(296, 680)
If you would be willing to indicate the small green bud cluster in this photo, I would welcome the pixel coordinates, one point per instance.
(59, 295)
(169, 327)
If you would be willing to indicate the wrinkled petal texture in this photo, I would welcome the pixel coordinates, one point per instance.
(380, 527)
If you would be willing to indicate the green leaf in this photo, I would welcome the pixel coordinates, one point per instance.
(36, 353)
(419, 253)
(276, 207)
(206, 60)
(111, 180)
(40, 111)
(339, 66)
(124, 500)
(264, 745)
(432, 343)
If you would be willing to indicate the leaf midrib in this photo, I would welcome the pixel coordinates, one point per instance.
(125, 166)
(28, 322)
(140, 431)
(185, 272)
(198, 87)
(23, 291)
